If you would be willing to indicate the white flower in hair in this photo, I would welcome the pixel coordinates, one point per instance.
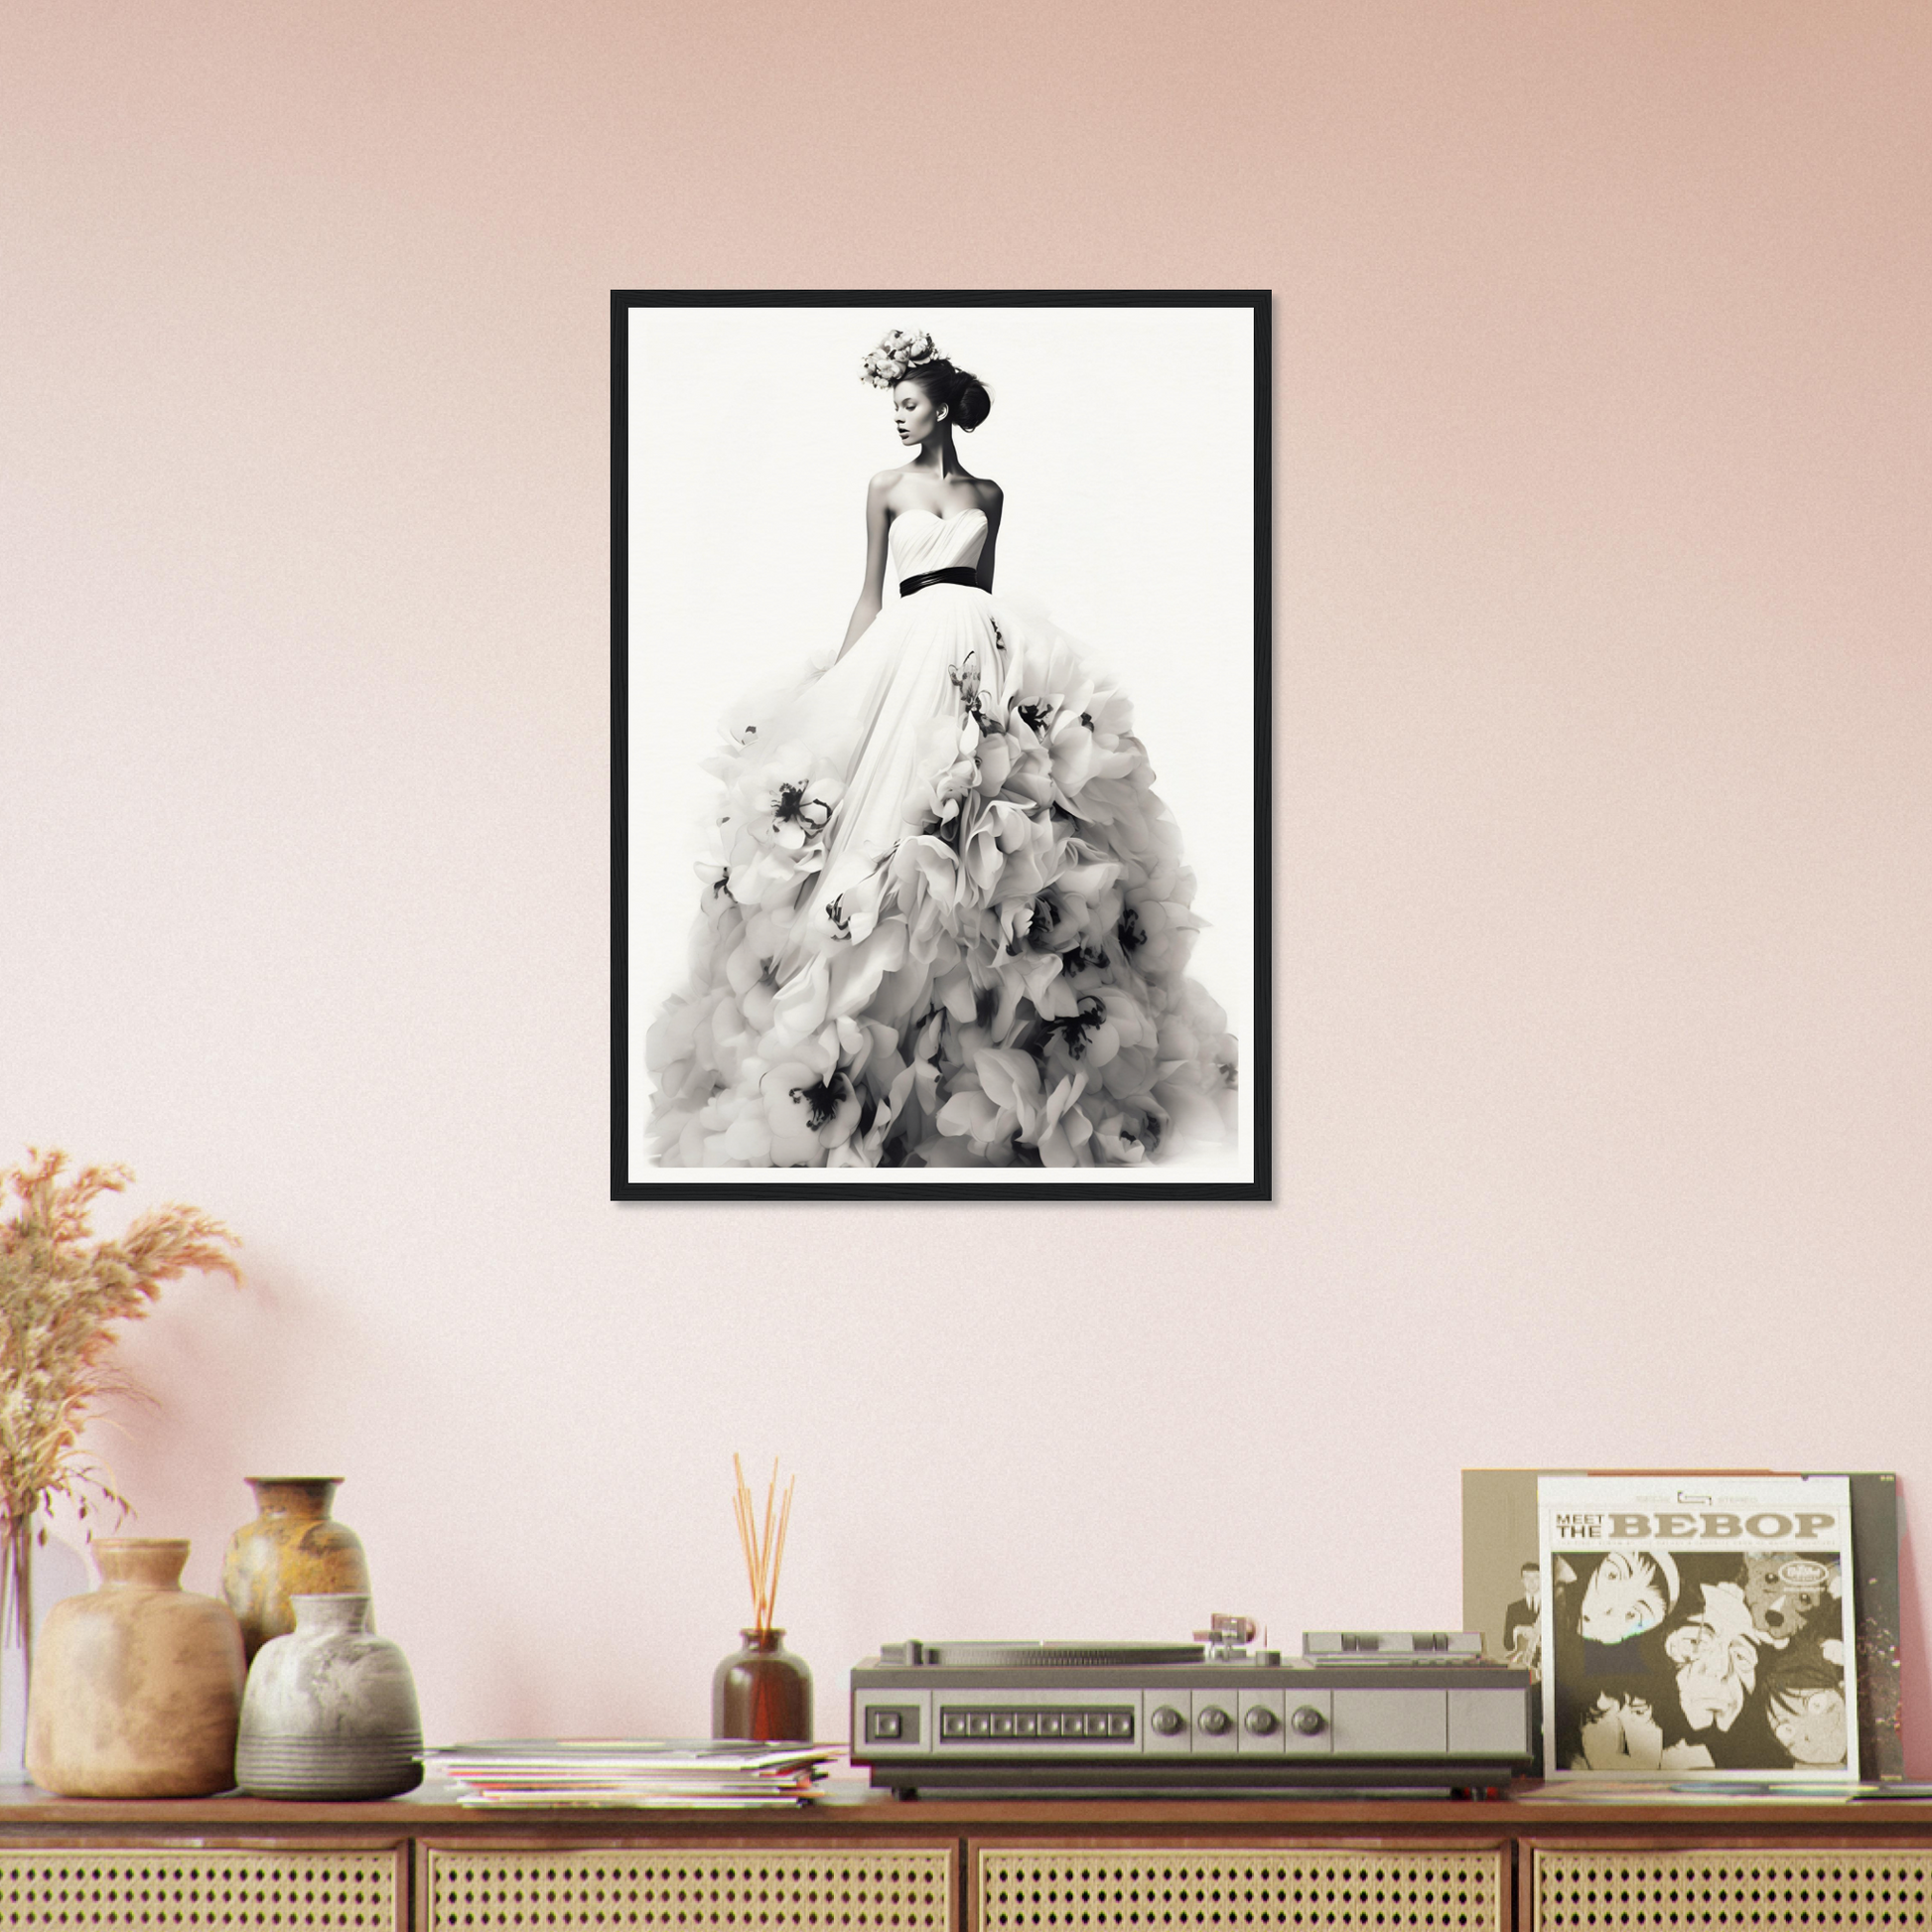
(896, 355)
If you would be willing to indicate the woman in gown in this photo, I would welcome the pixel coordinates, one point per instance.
(947, 924)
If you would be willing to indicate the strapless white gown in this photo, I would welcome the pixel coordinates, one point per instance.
(946, 923)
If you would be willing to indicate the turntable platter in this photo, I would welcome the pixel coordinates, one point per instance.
(1056, 1656)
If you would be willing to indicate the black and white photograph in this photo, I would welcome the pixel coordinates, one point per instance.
(1696, 1632)
(940, 673)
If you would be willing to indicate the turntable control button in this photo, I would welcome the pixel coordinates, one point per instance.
(1260, 1720)
(1120, 1723)
(1168, 1720)
(1308, 1720)
(979, 1724)
(952, 1723)
(1003, 1724)
(1050, 1724)
(1025, 1724)
(1214, 1721)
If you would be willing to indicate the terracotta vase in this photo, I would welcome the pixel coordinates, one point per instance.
(137, 1687)
(294, 1547)
(762, 1692)
(329, 1711)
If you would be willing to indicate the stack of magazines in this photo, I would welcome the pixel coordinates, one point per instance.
(632, 1771)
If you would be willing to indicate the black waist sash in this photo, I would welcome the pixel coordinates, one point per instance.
(959, 573)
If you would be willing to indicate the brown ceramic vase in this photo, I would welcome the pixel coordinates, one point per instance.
(293, 1548)
(762, 1692)
(137, 1688)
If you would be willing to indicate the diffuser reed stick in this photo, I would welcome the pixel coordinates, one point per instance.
(763, 1544)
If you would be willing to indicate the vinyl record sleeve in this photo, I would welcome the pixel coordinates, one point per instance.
(1698, 1629)
(1502, 1583)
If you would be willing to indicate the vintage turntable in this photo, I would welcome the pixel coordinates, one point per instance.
(1357, 1710)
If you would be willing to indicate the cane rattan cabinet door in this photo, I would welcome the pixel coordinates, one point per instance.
(1848, 1888)
(1333, 1888)
(758, 1888)
(237, 1890)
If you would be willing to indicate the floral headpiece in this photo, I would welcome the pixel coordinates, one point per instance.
(896, 356)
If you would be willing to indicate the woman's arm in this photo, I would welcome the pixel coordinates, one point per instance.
(873, 595)
(994, 502)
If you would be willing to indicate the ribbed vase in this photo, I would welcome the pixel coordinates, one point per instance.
(330, 1709)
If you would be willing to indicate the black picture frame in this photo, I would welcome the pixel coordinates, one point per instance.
(719, 408)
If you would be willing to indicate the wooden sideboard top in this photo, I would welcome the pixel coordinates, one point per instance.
(849, 1806)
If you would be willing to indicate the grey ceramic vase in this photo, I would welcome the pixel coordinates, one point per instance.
(329, 1711)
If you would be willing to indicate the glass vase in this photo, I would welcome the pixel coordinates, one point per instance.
(16, 1663)
(762, 1692)
(49, 1571)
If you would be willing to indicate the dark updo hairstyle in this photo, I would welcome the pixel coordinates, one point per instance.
(911, 355)
(958, 391)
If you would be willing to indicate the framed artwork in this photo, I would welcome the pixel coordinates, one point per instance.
(940, 744)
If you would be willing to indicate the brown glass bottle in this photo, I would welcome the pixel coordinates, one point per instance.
(762, 1692)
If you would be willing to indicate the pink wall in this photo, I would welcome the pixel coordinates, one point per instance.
(1603, 819)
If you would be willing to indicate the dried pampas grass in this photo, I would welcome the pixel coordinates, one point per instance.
(63, 1296)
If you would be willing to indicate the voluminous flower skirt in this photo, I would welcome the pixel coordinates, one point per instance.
(945, 924)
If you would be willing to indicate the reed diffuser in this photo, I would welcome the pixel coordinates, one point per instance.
(762, 1692)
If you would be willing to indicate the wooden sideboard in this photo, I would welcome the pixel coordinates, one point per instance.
(861, 1863)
